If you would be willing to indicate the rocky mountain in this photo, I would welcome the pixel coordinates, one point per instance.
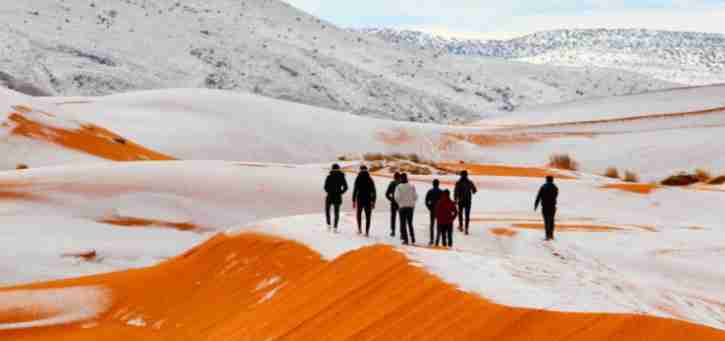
(685, 57)
(267, 47)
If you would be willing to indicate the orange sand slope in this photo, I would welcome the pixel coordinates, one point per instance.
(253, 287)
(496, 170)
(633, 188)
(87, 138)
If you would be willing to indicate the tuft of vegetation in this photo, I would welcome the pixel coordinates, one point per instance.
(703, 175)
(720, 180)
(21, 166)
(612, 172)
(681, 179)
(376, 166)
(630, 176)
(563, 161)
(370, 157)
(414, 169)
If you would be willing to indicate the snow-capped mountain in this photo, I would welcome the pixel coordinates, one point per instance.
(684, 57)
(267, 47)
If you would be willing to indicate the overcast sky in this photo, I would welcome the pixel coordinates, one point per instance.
(507, 18)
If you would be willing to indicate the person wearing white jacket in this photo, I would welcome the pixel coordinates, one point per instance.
(406, 197)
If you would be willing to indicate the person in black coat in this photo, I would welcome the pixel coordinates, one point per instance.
(390, 194)
(335, 187)
(431, 200)
(463, 195)
(547, 197)
(364, 196)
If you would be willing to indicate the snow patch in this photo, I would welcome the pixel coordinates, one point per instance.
(65, 306)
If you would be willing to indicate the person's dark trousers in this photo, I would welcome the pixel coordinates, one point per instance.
(549, 221)
(432, 227)
(368, 209)
(439, 236)
(330, 204)
(445, 232)
(393, 218)
(449, 230)
(407, 233)
(464, 211)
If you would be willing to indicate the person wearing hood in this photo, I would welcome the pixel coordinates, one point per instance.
(446, 213)
(364, 196)
(393, 205)
(431, 200)
(406, 196)
(463, 195)
(335, 187)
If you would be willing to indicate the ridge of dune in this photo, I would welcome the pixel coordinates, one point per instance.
(255, 287)
(87, 138)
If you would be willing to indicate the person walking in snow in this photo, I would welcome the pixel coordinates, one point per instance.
(335, 187)
(406, 196)
(390, 193)
(364, 196)
(431, 200)
(446, 213)
(463, 195)
(547, 197)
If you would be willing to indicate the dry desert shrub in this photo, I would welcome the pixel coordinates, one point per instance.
(720, 180)
(563, 161)
(703, 175)
(630, 176)
(374, 157)
(414, 169)
(681, 179)
(612, 172)
(376, 166)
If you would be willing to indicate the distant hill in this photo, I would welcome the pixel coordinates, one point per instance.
(267, 47)
(684, 57)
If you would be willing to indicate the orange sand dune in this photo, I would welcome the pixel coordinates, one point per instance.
(13, 195)
(720, 110)
(395, 137)
(88, 138)
(253, 287)
(503, 232)
(141, 222)
(496, 170)
(571, 227)
(499, 139)
(633, 188)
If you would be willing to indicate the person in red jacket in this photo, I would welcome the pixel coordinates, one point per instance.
(446, 213)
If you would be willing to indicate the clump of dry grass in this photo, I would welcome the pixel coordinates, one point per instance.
(612, 172)
(374, 157)
(703, 175)
(630, 176)
(414, 169)
(720, 180)
(376, 166)
(681, 179)
(563, 161)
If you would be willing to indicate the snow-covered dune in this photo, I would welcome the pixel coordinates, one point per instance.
(39, 134)
(617, 252)
(654, 134)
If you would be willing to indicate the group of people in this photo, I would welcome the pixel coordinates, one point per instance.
(403, 197)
